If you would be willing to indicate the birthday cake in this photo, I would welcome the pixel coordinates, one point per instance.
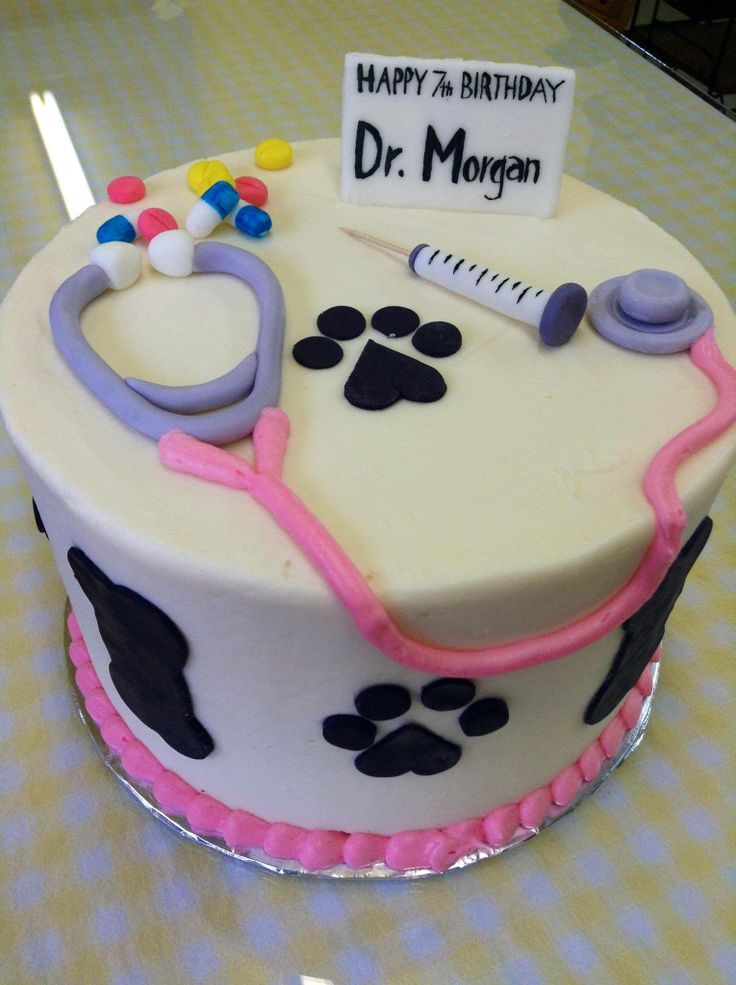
(414, 611)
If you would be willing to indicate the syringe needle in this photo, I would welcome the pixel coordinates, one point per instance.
(556, 314)
(375, 241)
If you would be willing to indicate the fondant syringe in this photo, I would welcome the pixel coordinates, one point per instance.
(556, 314)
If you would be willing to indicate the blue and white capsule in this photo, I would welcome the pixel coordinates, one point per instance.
(210, 209)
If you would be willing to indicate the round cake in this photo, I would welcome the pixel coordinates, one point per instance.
(420, 612)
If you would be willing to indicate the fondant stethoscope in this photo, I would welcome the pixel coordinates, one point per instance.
(650, 311)
(219, 411)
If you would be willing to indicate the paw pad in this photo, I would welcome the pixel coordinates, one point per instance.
(412, 748)
(382, 375)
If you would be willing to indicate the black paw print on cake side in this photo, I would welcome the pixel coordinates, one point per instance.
(147, 656)
(412, 748)
(644, 630)
(382, 375)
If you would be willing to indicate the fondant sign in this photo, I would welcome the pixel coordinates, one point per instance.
(450, 134)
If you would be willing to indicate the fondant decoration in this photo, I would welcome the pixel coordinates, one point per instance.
(349, 732)
(644, 630)
(383, 701)
(556, 314)
(251, 220)
(116, 229)
(152, 222)
(126, 189)
(341, 322)
(262, 481)
(484, 716)
(316, 849)
(437, 339)
(412, 748)
(122, 263)
(651, 311)
(210, 209)
(252, 190)
(147, 656)
(38, 519)
(203, 174)
(449, 134)
(172, 253)
(448, 693)
(382, 376)
(273, 155)
(219, 417)
(198, 397)
(317, 352)
(395, 321)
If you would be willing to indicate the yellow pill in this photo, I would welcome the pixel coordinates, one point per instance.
(203, 174)
(274, 154)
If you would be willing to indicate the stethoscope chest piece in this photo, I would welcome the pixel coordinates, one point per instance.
(652, 311)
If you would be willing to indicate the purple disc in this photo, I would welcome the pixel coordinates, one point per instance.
(562, 314)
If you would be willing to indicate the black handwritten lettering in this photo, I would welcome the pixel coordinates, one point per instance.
(554, 87)
(473, 168)
(440, 81)
(360, 135)
(365, 78)
(391, 154)
(433, 147)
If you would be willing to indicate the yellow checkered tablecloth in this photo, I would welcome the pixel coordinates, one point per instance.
(637, 886)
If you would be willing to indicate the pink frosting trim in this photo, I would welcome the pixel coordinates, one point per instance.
(263, 483)
(316, 849)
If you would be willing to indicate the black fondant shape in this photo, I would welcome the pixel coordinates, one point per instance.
(39, 520)
(643, 632)
(395, 321)
(147, 655)
(348, 731)
(341, 322)
(409, 749)
(317, 352)
(382, 376)
(484, 716)
(447, 693)
(438, 339)
(383, 701)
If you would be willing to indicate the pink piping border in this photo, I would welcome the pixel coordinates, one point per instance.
(263, 483)
(316, 849)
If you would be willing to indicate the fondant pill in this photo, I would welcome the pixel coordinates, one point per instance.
(153, 222)
(252, 190)
(172, 253)
(203, 174)
(210, 209)
(126, 189)
(122, 262)
(252, 221)
(118, 229)
(274, 154)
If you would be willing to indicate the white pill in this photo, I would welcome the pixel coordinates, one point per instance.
(202, 219)
(172, 253)
(122, 262)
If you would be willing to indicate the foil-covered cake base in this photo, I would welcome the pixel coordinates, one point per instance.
(145, 797)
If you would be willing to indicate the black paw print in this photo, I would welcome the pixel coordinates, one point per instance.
(412, 748)
(381, 376)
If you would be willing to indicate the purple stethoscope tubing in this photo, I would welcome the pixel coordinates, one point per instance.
(218, 411)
